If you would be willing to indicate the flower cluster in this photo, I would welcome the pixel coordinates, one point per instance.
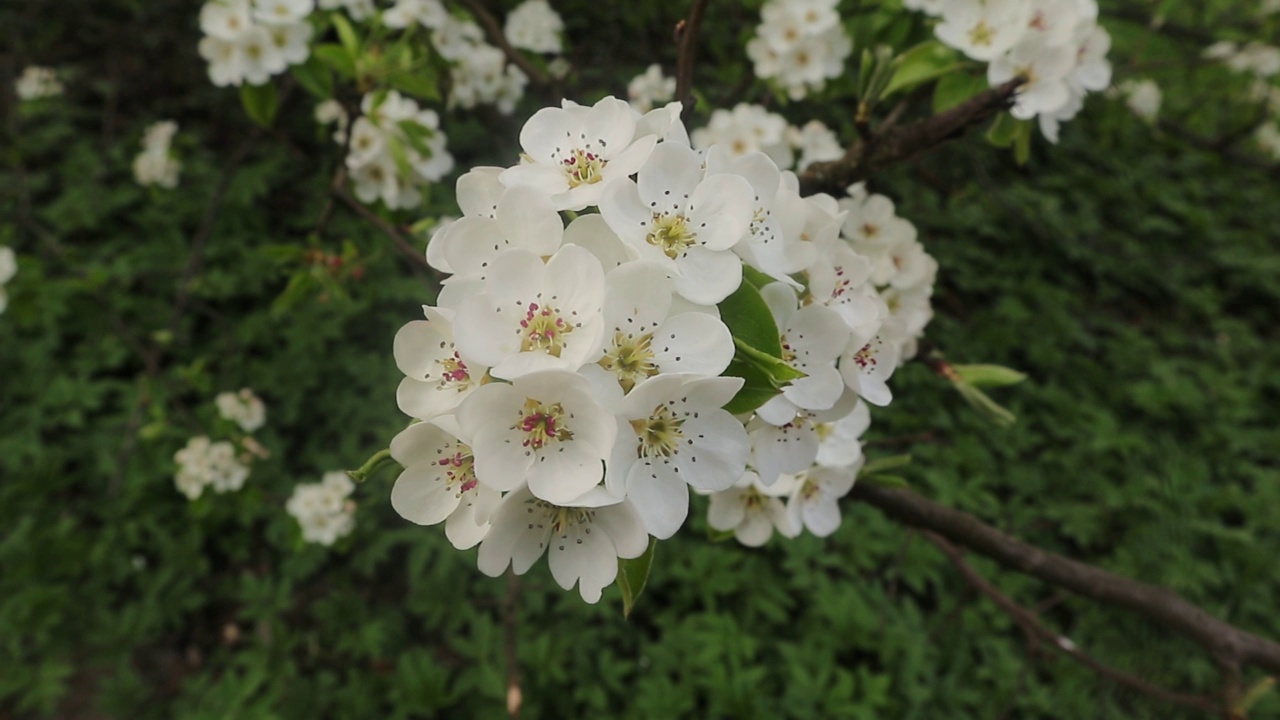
(203, 463)
(395, 148)
(650, 89)
(534, 26)
(243, 408)
(799, 44)
(324, 509)
(479, 73)
(8, 268)
(1056, 45)
(220, 464)
(750, 128)
(902, 273)
(155, 165)
(1263, 63)
(37, 82)
(252, 40)
(576, 381)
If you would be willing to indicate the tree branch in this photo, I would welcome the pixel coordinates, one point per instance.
(494, 32)
(1036, 630)
(892, 145)
(1225, 642)
(687, 41)
(405, 247)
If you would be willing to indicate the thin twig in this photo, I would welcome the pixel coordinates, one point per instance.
(1036, 631)
(687, 43)
(892, 145)
(402, 244)
(1219, 638)
(496, 36)
(510, 620)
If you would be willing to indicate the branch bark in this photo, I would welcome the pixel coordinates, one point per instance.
(496, 36)
(1036, 630)
(687, 38)
(402, 244)
(1227, 644)
(893, 145)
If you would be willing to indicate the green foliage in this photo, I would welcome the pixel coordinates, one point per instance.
(1133, 280)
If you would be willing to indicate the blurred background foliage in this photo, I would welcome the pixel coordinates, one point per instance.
(1134, 277)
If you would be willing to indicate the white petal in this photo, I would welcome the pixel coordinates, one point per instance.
(693, 343)
(721, 210)
(706, 277)
(563, 470)
(660, 497)
(422, 494)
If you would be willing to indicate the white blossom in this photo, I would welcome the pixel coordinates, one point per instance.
(244, 408)
(651, 88)
(752, 511)
(323, 509)
(585, 540)
(37, 82)
(203, 463)
(534, 26)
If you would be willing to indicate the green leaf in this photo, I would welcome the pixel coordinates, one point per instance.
(755, 278)
(400, 157)
(985, 406)
(988, 375)
(346, 34)
(954, 88)
(314, 77)
(376, 462)
(417, 135)
(337, 58)
(421, 83)
(260, 102)
(879, 465)
(757, 388)
(779, 372)
(1254, 694)
(750, 321)
(633, 575)
(1003, 130)
(1022, 143)
(922, 63)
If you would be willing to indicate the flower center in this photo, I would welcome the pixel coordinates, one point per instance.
(543, 330)
(542, 424)
(659, 434)
(563, 518)
(630, 358)
(981, 35)
(460, 469)
(453, 373)
(809, 489)
(583, 167)
(864, 358)
(671, 234)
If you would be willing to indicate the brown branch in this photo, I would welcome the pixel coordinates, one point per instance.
(1037, 631)
(687, 42)
(1225, 642)
(510, 618)
(892, 145)
(496, 36)
(402, 244)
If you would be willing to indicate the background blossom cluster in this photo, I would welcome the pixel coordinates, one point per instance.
(324, 510)
(222, 465)
(155, 165)
(570, 386)
(799, 44)
(1056, 45)
(252, 40)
